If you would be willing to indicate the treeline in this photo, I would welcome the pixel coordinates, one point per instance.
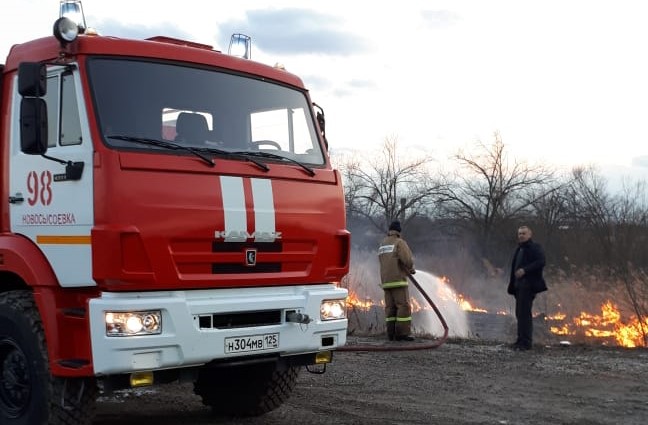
(471, 208)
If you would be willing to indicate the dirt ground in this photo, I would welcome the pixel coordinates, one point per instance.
(463, 381)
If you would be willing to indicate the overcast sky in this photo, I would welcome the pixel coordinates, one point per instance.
(563, 82)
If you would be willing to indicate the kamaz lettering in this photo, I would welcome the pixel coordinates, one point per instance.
(244, 235)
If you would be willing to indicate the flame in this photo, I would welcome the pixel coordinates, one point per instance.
(557, 316)
(416, 306)
(607, 326)
(444, 292)
(447, 294)
(467, 305)
(354, 301)
(562, 330)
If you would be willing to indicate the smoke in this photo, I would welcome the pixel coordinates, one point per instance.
(446, 301)
(364, 282)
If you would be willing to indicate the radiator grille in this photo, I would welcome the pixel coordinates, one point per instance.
(239, 320)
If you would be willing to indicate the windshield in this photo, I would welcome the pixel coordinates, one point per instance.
(200, 108)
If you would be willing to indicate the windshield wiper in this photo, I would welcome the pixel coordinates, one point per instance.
(163, 144)
(279, 157)
(222, 152)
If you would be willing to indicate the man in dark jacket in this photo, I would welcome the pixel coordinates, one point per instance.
(525, 282)
(396, 262)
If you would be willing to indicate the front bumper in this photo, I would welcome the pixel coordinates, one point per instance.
(185, 342)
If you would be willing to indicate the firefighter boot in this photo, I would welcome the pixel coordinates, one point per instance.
(402, 331)
(391, 330)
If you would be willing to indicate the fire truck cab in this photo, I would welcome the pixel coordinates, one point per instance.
(172, 214)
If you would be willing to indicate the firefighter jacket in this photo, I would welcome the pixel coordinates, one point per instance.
(396, 261)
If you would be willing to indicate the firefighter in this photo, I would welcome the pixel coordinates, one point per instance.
(396, 261)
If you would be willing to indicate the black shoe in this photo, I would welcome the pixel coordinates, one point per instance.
(405, 338)
(521, 347)
(390, 337)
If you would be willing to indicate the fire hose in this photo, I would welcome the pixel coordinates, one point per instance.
(406, 347)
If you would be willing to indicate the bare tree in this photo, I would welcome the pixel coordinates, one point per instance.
(630, 239)
(630, 215)
(551, 215)
(489, 189)
(386, 186)
(591, 210)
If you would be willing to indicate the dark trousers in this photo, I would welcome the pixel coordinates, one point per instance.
(523, 305)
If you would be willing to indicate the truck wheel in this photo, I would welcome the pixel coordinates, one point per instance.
(29, 395)
(250, 390)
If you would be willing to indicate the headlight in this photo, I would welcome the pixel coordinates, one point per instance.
(332, 310)
(127, 323)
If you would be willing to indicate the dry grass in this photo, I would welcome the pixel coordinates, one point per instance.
(571, 293)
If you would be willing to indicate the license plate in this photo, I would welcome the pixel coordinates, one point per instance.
(244, 344)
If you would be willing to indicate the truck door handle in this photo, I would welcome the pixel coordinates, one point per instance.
(16, 199)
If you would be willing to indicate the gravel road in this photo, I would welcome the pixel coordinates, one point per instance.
(463, 381)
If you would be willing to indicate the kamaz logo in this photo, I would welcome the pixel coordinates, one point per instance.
(245, 235)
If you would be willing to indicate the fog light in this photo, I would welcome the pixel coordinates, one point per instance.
(141, 379)
(323, 357)
(127, 323)
(332, 309)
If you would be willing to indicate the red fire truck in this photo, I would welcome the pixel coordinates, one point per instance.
(172, 215)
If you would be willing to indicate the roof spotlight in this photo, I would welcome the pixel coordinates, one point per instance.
(65, 30)
(73, 10)
(240, 46)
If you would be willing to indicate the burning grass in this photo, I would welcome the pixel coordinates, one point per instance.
(594, 313)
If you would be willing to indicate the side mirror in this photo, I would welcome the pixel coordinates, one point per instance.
(321, 121)
(32, 85)
(33, 126)
(32, 79)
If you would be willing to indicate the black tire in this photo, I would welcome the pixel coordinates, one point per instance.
(29, 395)
(243, 391)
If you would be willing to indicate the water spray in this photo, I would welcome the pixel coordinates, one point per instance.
(406, 347)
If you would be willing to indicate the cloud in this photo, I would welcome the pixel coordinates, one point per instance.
(640, 161)
(348, 88)
(362, 84)
(116, 28)
(297, 31)
(317, 82)
(439, 18)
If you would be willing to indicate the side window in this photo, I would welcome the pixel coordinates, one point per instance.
(285, 127)
(70, 122)
(52, 100)
(63, 120)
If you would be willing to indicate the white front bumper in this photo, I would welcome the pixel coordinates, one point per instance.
(183, 343)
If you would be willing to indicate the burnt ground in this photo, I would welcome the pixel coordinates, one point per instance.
(463, 381)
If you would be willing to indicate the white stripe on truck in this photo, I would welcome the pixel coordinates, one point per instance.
(235, 213)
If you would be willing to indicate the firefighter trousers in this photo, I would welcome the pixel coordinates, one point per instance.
(398, 312)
